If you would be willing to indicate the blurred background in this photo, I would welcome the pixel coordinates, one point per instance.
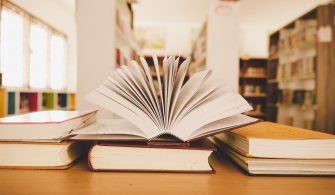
(278, 54)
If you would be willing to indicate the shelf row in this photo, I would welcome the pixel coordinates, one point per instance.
(18, 102)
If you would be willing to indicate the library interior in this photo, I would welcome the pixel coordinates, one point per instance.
(167, 96)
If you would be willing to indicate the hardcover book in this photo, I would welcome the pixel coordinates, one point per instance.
(140, 156)
(44, 126)
(278, 166)
(33, 155)
(272, 140)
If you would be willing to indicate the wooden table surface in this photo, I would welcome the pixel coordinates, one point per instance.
(228, 179)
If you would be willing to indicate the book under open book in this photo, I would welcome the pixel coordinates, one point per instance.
(188, 110)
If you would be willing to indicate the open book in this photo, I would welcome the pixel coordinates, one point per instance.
(187, 110)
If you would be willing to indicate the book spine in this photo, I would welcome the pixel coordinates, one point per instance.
(89, 162)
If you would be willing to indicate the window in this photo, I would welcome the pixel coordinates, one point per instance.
(33, 54)
(57, 65)
(12, 53)
(38, 72)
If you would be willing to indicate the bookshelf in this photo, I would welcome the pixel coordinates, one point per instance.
(253, 86)
(126, 47)
(300, 73)
(18, 101)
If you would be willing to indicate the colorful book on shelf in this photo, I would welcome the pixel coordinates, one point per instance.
(189, 111)
(38, 155)
(44, 125)
(140, 156)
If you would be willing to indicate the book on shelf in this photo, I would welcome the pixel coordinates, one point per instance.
(188, 111)
(50, 126)
(278, 166)
(38, 155)
(271, 140)
(140, 156)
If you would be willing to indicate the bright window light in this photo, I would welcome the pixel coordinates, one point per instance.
(38, 57)
(57, 63)
(12, 48)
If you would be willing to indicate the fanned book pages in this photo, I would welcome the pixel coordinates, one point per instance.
(188, 110)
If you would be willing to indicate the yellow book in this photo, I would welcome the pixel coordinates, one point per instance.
(278, 166)
(271, 140)
(2, 102)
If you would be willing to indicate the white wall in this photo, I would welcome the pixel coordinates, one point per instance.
(96, 48)
(254, 40)
(222, 41)
(62, 18)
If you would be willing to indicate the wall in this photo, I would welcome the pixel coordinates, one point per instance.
(222, 42)
(62, 18)
(254, 40)
(96, 48)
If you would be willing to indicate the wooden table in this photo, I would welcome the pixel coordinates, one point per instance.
(227, 180)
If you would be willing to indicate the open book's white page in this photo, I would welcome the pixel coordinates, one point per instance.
(110, 126)
(127, 95)
(209, 112)
(124, 110)
(160, 87)
(204, 93)
(178, 109)
(150, 90)
(149, 80)
(232, 121)
(145, 97)
(188, 90)
(180, 77)
(124, 74)
(124, 92)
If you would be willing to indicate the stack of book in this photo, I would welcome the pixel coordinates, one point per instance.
(163, 127)
(37, 140)
(272, 149)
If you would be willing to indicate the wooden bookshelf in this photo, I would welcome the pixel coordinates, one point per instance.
(300, 71)
(126, 46)
(252, 84)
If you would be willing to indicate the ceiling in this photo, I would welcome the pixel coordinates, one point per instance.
(272, 13)
(170, 11)
(69, 5)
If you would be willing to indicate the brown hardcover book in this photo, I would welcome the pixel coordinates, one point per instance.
(271, 140)
(141, 156)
